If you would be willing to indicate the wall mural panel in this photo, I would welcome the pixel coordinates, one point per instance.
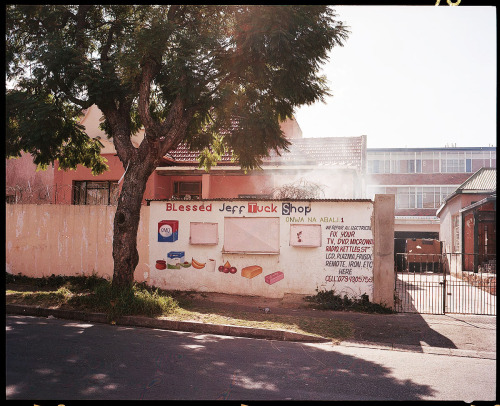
(262, 248)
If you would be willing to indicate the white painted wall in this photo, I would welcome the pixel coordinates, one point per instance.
(343, 261)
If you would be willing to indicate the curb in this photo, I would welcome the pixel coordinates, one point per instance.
(190, 326)
(236, 331)
(455, 352)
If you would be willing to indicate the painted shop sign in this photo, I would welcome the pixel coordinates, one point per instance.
(266, 248)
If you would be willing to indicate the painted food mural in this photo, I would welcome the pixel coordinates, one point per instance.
(276, 247)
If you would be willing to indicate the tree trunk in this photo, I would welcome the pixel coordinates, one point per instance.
(126, 223)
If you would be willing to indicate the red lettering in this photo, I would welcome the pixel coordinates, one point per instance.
(188, 207)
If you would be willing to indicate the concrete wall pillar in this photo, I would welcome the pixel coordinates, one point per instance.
(205, 186)
(383, 261)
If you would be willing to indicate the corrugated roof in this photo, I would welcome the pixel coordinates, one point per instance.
(327, 151)
(483, 179)
(238, 199)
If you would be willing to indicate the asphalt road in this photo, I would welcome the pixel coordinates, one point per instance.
(66, 360)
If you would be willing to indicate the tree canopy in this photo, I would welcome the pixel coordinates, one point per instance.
(213, 77)
(236, 70)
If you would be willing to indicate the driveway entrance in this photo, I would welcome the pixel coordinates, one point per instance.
(444, 289)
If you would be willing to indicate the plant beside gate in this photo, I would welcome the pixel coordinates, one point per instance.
(330, 300)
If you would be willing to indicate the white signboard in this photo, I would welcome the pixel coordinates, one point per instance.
(263, 248)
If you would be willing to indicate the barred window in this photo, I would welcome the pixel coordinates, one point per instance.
(183, 190)
(95, 192)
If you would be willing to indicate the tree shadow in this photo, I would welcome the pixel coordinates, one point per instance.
(57, 359)
(400, 329)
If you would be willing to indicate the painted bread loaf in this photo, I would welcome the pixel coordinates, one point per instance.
(251, 271)
(274, 277)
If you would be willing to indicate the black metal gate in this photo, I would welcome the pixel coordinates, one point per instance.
(447, 283)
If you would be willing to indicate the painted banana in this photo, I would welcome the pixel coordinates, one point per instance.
(196, 264)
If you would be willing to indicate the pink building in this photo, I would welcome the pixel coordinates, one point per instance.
(468, 220)
(336, 164)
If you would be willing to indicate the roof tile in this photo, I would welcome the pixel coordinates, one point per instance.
(325, 151)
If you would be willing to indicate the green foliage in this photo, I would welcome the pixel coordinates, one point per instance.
(329, 300)
(47, 128)
(94, 293)
(116, 302)
(239, 71)
(73, 283)
(217, 78)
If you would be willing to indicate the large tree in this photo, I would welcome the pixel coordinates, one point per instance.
(214, 77)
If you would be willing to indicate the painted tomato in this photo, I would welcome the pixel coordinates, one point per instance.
(232, 269)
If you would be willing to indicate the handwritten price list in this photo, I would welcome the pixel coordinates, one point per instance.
(348, 252)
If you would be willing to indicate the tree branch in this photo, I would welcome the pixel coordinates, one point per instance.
(150, 69)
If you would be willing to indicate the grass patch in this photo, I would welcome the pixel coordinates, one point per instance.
(139, 300)
(91, 293)
(44, 299)
(335, 330)
(95, 294)
(329, 300)
(53, 282)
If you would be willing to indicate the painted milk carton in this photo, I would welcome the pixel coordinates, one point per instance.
(175, 259)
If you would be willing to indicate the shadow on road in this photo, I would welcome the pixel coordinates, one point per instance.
(61, 360)
(400, 329)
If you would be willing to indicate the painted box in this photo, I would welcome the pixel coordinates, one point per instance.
(168, 230)
(175, 259)
(274, 277)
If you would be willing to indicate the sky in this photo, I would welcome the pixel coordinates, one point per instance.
(410, 76)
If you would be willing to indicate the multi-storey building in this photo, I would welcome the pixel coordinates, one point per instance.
(421, 179)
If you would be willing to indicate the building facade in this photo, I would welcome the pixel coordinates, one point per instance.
(468, 221)
(421, 179)
(336, 164)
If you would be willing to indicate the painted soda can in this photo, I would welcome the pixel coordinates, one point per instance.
(168, 230)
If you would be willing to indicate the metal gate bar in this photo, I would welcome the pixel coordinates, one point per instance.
(455, 283)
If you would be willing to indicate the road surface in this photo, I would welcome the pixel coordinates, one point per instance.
(66, 360)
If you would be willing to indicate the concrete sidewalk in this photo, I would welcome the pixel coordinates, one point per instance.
(458, 335)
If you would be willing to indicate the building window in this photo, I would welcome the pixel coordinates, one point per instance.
(403, 198)
(418, 163)
(445, 192)
(452, 166)
(411, 166)
(95, 192)
(429, 197)
(187, 190)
